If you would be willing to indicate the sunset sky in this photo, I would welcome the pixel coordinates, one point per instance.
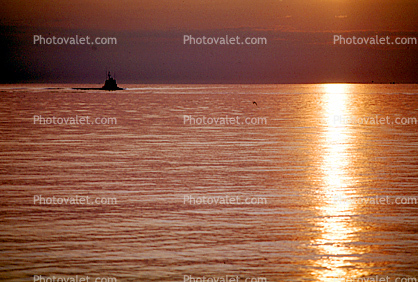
(150, 45)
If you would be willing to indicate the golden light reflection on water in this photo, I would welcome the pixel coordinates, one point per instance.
(334, 220)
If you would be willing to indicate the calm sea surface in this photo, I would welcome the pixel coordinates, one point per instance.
(328, 198)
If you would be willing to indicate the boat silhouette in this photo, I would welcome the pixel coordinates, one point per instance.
(109, 85)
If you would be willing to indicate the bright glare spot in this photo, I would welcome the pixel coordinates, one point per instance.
(335, 97)
(336, 88)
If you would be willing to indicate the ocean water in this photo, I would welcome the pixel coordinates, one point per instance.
(323, 189)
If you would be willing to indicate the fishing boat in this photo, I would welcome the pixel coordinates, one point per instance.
(109, 85)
